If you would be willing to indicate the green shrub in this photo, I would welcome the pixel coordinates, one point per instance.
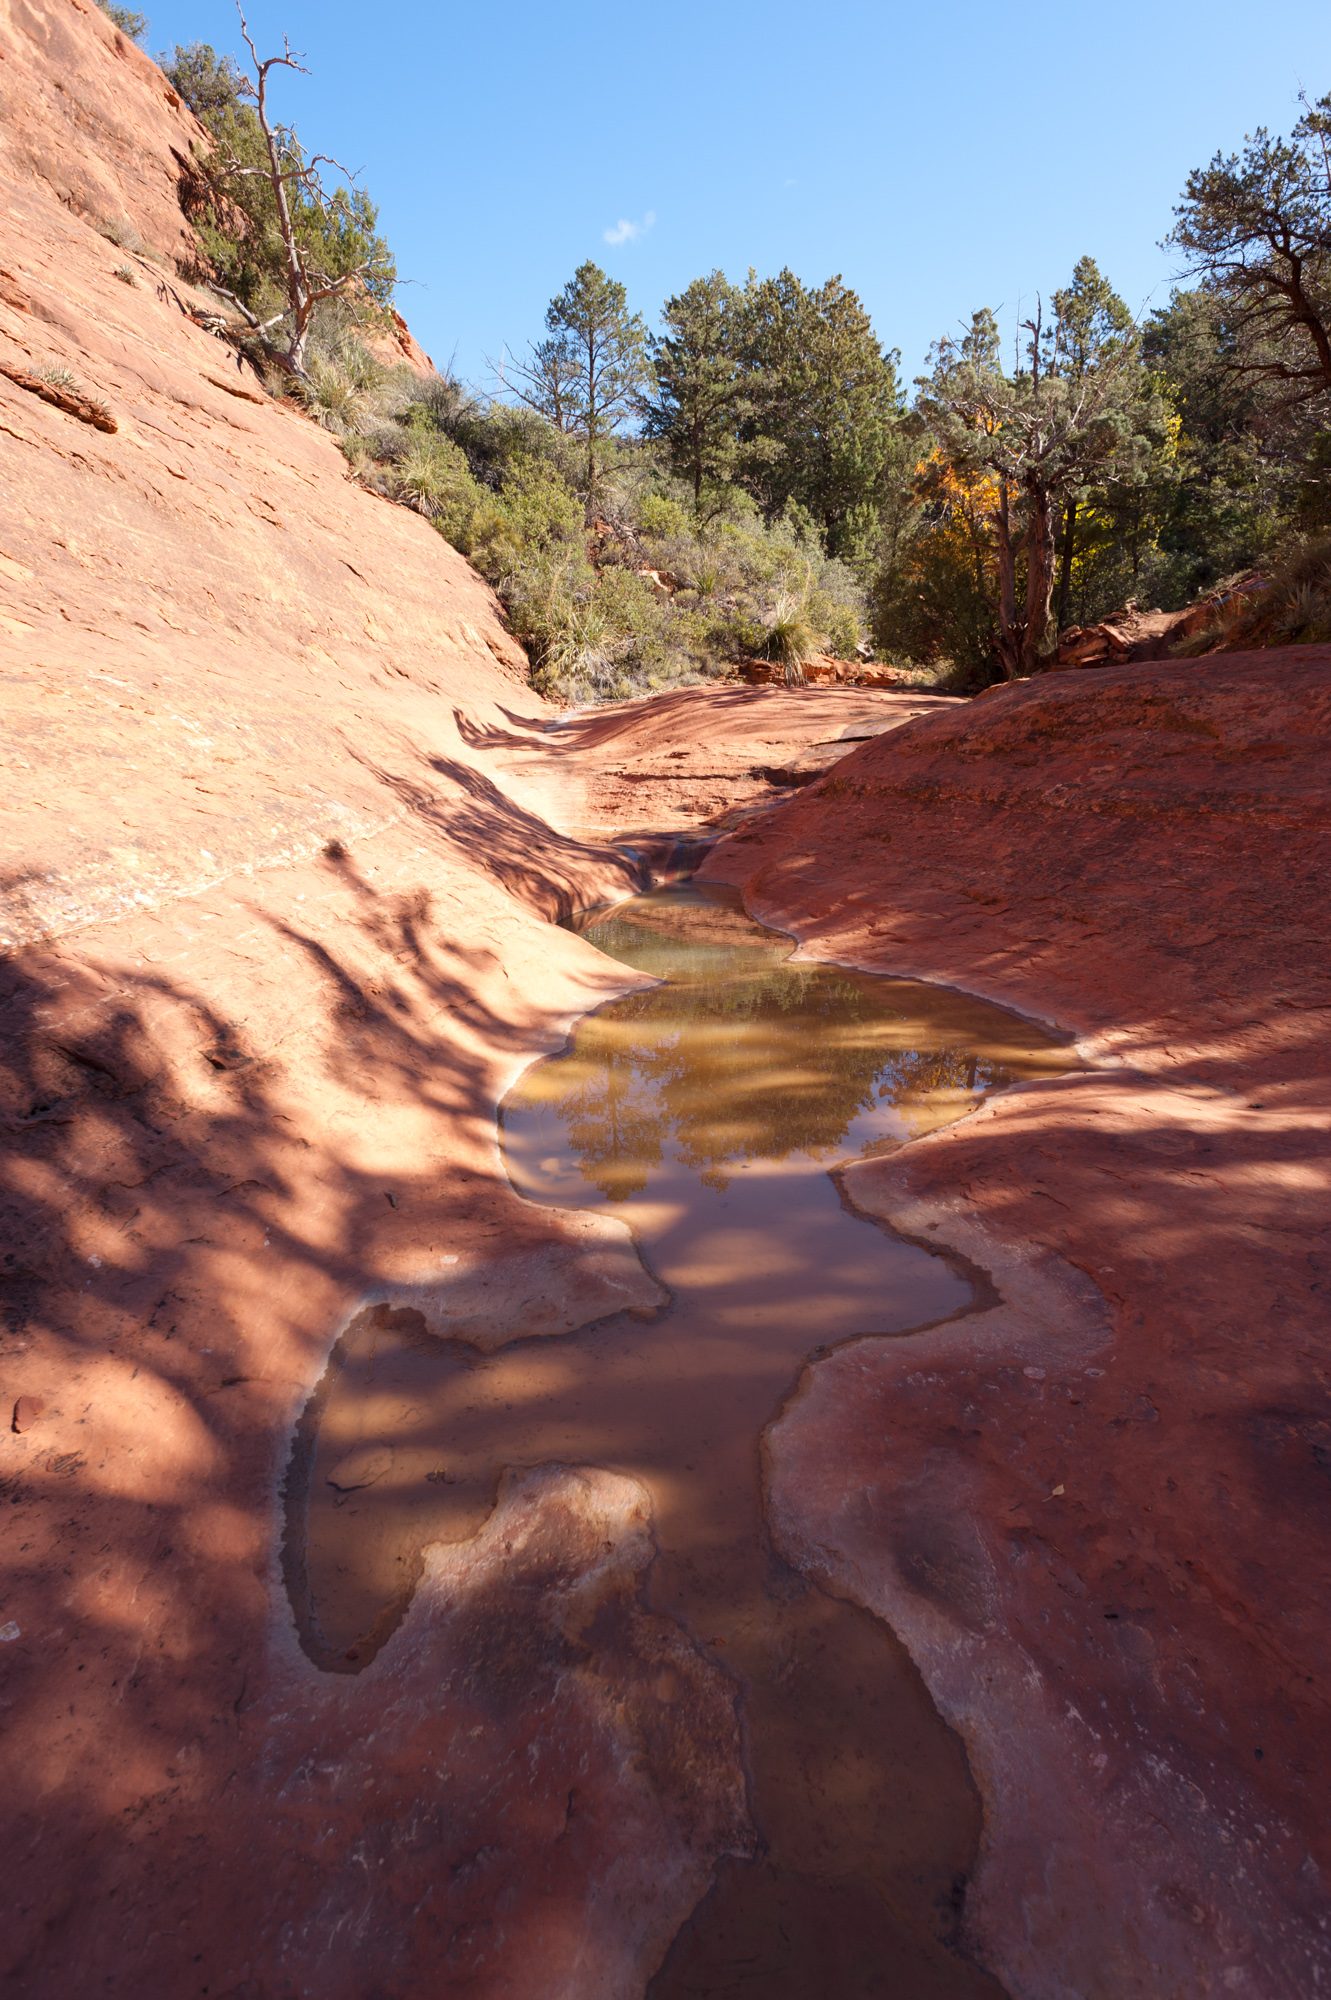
(129, 23)
(502, 485)
(539, 507)
(660, 517)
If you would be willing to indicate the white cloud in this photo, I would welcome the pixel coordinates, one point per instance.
(625, 231)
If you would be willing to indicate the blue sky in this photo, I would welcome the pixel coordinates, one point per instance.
(939, 159)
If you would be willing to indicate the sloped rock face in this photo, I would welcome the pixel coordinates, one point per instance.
(1096, 1513)
(91, 119)
(282, 849)
(673, 760)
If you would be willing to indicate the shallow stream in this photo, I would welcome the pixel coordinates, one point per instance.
(709, 1112)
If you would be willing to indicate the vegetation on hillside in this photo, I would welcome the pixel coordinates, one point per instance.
(129, 22)
(750, 478)
(282, 232)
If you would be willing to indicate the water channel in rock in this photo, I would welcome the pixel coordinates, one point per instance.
(709, 1112)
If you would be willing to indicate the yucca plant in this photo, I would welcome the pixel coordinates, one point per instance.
(340, 385)
(791, 640)
(421, 477)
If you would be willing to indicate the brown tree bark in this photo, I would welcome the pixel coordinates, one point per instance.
(1008, 645)
(1065, 561)
(1039, 578)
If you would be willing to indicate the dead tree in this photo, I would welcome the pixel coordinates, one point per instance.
(296, 182)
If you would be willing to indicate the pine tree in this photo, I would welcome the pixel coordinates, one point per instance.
(1256, 227)
(823, 405)
(1092, 329)
(586, 376)
(699, 402)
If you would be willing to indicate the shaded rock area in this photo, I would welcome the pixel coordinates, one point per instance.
(285, 837)
(1097, 1513)
(524, 1793)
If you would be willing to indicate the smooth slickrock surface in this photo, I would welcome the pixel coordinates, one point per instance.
(519, 1796)
(673, 760)
(282, 833)
(1097, 1512)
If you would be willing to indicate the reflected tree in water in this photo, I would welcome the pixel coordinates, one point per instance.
(759, 1065)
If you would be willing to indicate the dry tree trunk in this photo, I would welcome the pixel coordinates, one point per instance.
(1039, 577)
(1009, 639)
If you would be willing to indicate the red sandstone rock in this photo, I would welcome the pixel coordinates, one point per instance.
(396, 346)
(700, 754)
(285, 831)
(1133, 635)
(823, 670)
(27, 1409)
(86, 115)
(1097, 1512)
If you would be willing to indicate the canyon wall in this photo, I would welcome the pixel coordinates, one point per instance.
(277, 934)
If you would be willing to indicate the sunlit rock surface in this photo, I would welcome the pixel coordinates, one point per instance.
(284, 830)
(1097, 1515)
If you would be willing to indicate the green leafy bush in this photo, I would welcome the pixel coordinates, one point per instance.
(661, 518)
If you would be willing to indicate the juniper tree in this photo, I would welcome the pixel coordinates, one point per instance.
(1039, 432)
(271, 223)
(1256, 227)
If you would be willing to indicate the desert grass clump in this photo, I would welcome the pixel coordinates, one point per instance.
(1296, 609)
(431, 475)
(340, 386)
(125, 274)
(123, 234)
(790, 641)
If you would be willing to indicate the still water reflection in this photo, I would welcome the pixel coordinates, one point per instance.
(747, 1059)
(706, 1112)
